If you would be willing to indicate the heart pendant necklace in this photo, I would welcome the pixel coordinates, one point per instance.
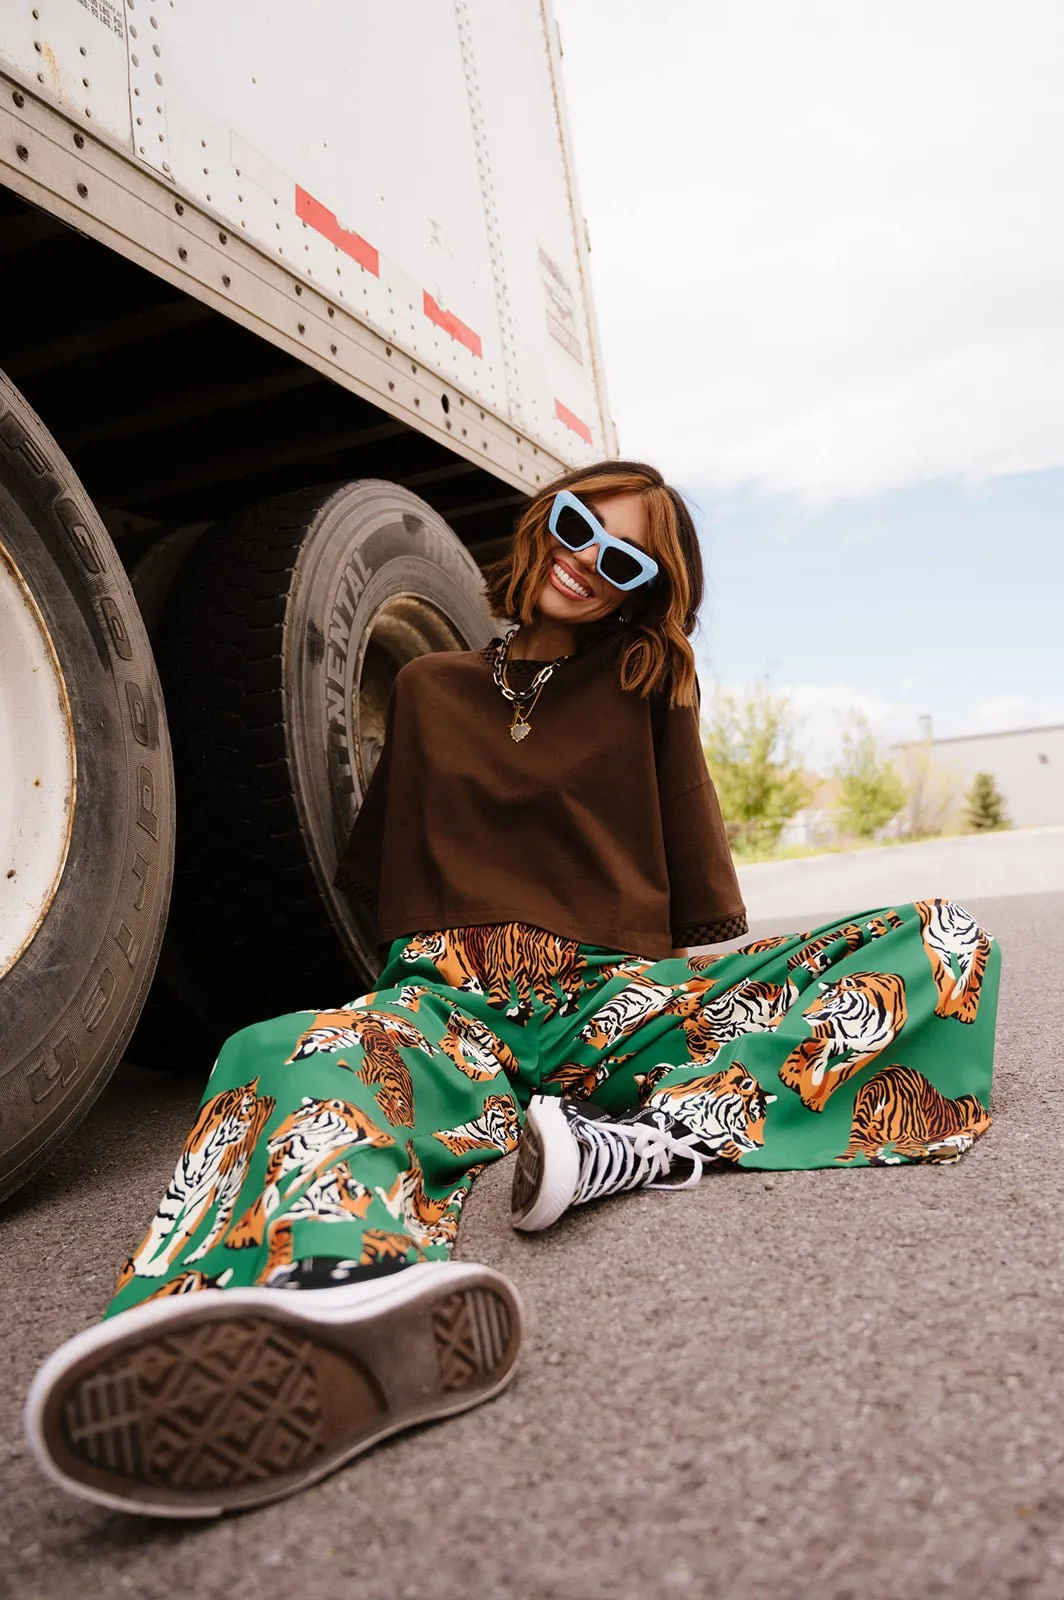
(524, 700)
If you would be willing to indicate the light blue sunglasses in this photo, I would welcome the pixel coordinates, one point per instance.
(620, 563)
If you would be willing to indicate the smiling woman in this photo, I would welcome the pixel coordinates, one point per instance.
(539, 840)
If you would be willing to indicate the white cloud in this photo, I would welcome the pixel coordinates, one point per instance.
(820, 712)
(828, 248)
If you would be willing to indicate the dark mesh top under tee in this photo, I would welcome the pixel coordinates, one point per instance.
(601, 826)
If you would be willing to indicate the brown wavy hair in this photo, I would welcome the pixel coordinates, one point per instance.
(657, 655)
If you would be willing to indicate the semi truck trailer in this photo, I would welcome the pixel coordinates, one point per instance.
(295, 314)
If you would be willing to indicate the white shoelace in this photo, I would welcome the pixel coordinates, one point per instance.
(631, 1155)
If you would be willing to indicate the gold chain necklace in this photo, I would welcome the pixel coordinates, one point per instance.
(522, 700)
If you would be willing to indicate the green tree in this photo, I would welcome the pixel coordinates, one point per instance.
(749, 740)
(984, 806)
(870, 790)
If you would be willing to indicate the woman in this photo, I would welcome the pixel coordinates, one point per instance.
(541, 844)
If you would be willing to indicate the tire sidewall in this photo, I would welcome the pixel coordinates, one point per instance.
(70, 1001)
(374, 542)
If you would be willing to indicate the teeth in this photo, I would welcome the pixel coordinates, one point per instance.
(571, 583)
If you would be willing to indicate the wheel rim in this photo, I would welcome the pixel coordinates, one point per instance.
(405, 626)
(38, 763)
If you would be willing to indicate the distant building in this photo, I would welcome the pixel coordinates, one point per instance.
(1027, 764)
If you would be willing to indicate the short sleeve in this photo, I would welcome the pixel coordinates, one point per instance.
(706, 904)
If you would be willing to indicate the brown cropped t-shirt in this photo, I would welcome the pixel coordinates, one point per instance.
(601, 826)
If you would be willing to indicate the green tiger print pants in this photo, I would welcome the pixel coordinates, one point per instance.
(337, 1144)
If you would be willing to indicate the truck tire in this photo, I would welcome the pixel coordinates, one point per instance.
(86, 799)
(175, 1031)
(278, 646)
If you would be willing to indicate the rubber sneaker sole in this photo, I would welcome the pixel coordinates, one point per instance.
(547, 1168)
(193, 1405)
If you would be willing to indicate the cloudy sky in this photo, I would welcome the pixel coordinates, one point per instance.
(828, 258)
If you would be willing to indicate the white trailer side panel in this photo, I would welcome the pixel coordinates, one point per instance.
(409, 160)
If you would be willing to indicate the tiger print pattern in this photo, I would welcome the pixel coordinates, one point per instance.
(958, 951)
(900, 1111)
(701, 963)
(577, 1082)
(383, 1068)
(879, 927)
(726, 1110)
(190, 1283)
(302, 1146)
(774, 941)
(475, 1049)
(751, 1007)
(813, 957)
(430, 1221)
(379, 1246)
(625, 1011)
(852, 1021)
(496, 1128)
(335, 1196)
(495, 958)
(210, 1172)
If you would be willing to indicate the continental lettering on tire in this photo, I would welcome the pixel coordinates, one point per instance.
(116, 628)
(140, 867)
(126, 940)
(47, 1075)
(349, 591)
(19, 441)
(100, 997)
(82, 540)
(147, 805)
(142, 720)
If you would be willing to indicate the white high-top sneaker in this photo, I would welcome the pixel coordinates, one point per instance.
(571, 1152)
(195, 1404)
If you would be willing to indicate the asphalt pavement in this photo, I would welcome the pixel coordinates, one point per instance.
(842, 1385)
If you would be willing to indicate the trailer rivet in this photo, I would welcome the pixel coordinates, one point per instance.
(302, 327)
(226, 279)
(19, 99)
(299, 288)
(332, 311)
(182, 253)
(22, 153)
(79, 140)
(223, 238)
(83, 190)
(179, 208)
(332, 349)
(445, 402)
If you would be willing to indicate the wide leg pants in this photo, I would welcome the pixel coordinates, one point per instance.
(340, 1143)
